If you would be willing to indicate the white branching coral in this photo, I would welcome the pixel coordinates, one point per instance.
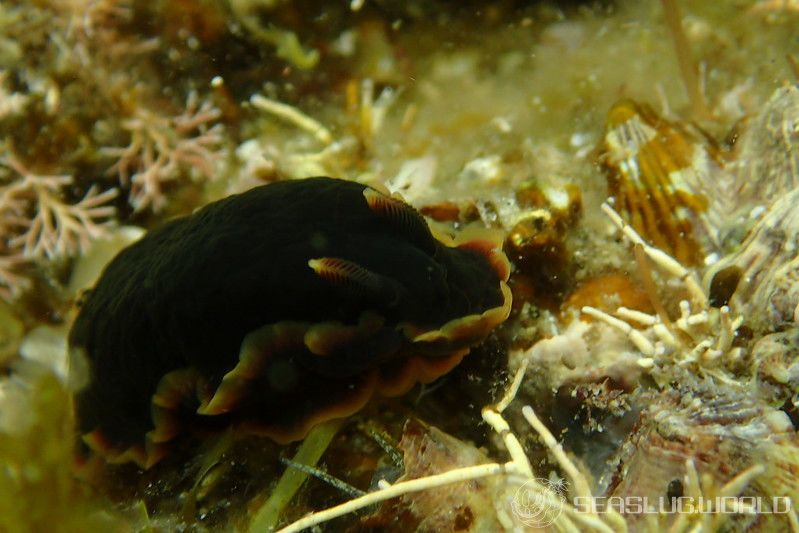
(37, 223)
(161, 148)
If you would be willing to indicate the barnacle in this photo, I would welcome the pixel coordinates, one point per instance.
(277, 309)
(763, 272)
(711, 437)
(657, 175)
(762, 275)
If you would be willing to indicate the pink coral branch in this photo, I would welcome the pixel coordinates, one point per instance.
(37, 224)
(58, 229)
(162, 147)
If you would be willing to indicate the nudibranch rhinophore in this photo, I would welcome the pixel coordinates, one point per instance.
(277, 309)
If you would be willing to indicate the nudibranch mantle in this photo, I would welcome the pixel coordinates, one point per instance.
(274, 310)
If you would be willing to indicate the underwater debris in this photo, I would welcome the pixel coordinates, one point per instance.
(361, 298)
(293, 116)
(309, 452)
(688, 66)
(455, 507)
(162, 147)
(596, 401)
(582, 354)
(663, 182)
